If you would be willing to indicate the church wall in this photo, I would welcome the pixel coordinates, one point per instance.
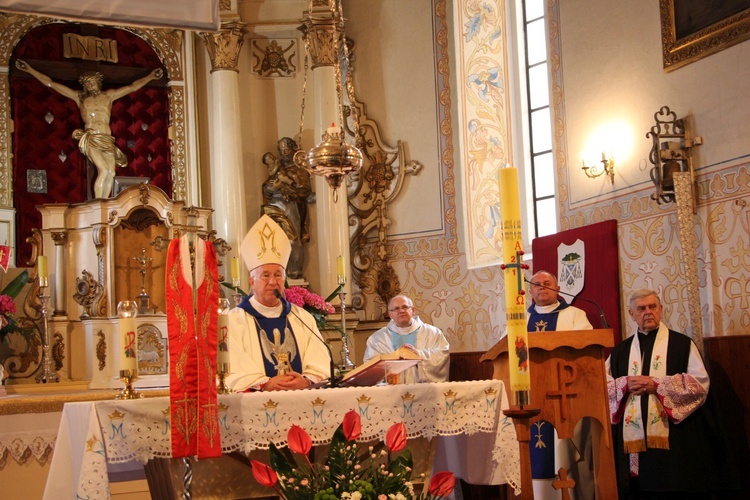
(609, 85)
(405, 76)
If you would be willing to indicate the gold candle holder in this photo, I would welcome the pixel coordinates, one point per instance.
(222, 370)
(128, 377)
(222, 345)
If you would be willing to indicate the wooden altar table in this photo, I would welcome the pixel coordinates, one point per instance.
(93, 434)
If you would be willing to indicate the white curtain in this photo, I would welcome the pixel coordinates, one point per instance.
(187, 14)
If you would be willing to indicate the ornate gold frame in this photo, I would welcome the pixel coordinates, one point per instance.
(168, 45)
(714, 38)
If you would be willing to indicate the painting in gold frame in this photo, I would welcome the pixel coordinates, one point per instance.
(693, 29)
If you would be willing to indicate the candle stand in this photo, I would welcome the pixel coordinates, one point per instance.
(128, 377)
(236, 295)
(222, 370)
(48, 373)
(346, 364)
(222, 346)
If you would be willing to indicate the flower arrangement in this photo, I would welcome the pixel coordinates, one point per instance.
(8, 323)
(312, 303)
(349, 472)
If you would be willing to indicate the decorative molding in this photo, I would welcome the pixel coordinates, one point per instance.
(224, 46)
(178, 136)
(101, 350)
(694, 46)
(58, 351)
(270, 57)
(87, 291)
(323, 36)
(372, 191)
(59, 236)
(99, 236)
(6, 167)
(688, 241)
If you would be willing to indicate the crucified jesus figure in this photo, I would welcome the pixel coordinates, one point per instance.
(95, 140)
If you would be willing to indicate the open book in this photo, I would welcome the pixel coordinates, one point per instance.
(376, 369)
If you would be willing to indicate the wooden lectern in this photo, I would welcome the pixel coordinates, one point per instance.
(568, 382)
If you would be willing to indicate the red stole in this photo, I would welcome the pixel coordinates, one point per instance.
(192, 349)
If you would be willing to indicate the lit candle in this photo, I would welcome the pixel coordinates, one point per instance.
(128, 310)
(333, 131)
(41, 263)
(235, 271)
(515, 303)
(340, 267)
(222, 332)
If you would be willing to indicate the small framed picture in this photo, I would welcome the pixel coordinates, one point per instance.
(36, 181)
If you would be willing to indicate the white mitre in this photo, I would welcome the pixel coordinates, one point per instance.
(265, 243)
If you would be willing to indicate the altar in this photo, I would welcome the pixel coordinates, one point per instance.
(95, 434)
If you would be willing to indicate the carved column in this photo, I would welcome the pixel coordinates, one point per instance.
(60, 237)
(324, 35)
(227, 179)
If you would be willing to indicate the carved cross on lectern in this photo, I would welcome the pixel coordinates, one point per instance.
(566, 375)
(563, 483)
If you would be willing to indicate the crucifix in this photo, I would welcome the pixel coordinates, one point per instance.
(143, 297)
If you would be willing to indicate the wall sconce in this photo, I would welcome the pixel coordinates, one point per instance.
(671, 152)
(608, 167)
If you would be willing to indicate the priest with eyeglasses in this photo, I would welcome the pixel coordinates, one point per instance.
(408, 331)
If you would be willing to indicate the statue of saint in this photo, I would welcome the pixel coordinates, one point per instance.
(286, 193)
(95, 140)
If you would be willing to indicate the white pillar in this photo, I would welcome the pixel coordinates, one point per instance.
(227, 176)
(60, 237)
(325, 36)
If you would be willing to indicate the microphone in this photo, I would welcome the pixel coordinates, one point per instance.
(332, 380)
(601, 311)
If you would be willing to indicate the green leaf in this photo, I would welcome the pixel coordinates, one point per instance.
(401, 462)
(15, 286)
(279, 462)
(235, 289)
(334, 294)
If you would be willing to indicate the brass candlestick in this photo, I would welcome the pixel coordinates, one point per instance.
(222, 346)
(346, 364)
(236, 295)
(222, 370)
(48, 373)
(128, 377)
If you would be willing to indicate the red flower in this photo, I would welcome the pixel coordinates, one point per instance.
(352, 425)
(395, 438)
(299, 440)
(263, 474)
(442, 484)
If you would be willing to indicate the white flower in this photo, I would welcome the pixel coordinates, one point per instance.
(356, 495)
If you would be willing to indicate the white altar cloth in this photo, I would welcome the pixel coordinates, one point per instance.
(93, 434)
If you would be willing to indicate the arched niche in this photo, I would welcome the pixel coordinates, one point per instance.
(166, 43)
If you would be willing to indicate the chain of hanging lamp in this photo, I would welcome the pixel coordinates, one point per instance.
(333, 158)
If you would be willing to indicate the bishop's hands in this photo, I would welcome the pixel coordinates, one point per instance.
(286, 382)
(639, 385)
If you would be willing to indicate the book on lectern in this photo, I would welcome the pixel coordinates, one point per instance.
(381, 366)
